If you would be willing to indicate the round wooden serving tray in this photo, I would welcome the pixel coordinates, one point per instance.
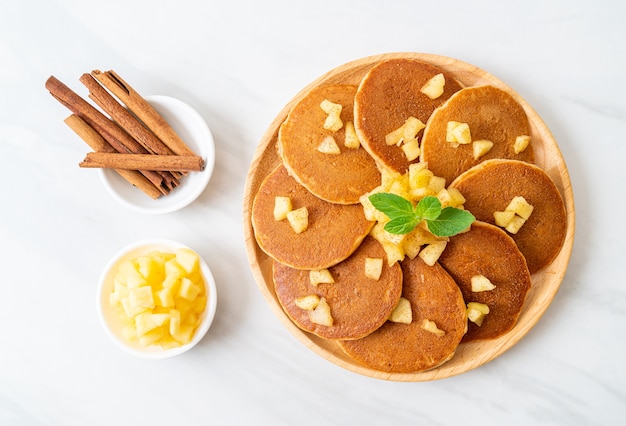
(545, 283)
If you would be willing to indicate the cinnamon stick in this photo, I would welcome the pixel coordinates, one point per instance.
(98, 144)
(108, 129)
(186, 163)
(123, 117)
(142, 109)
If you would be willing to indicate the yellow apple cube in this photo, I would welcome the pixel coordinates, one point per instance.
(299, 219)
(351, 140)
(436, 183)
(476, 312)
(320, 276)
(141, 297)
(373, 268)
(188, 290)
(430, 253)
(515, 224)
(321, 314)
(188, 260)
(329, 146)
(308, 302)
(434, 87)
(431, 327)
(521, 207)
(411, 149)
(502, 219)
(480, 148)
(521, 143)
(402, 313)
(164, 297)
(282, 206)
(481, 283)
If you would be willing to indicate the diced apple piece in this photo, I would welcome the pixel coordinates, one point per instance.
(437, 183)
(373, 268)
(188, 260)
(371, 212)
(481, 283)
(151, 337)
(457, 197)
(329, 146)
(411, 149)
(395, 137)
(141, 297)
(282, 206)
(521, 207)
(420, 178)
(120, 292)
(481, 147)
(444, 198)
(431, 327)
(130, 275)
(458, 133)
(412, 126)
(321, 314)
(476, 312)
(184, 334)
(351, 140)
(299, 219)
(164, 297)
(199, 305)
(130, 309)
(173, 270)
(430, 253)
(402, 313)
(144, 323)
(333, 120)
(308, 302)
(502, 219)
(433, 88)
(188, 290)
(515, 224)
(521, 143)
(320, 276)
(159, 319)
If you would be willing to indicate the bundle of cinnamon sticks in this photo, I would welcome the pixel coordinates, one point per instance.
(134, 139)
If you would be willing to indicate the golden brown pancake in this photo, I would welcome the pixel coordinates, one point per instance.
(340, 178)
(491, 186)
(387, 96)
(487, 250)
(491, 113)
(334, 230)
(406, 348)
(359, 305)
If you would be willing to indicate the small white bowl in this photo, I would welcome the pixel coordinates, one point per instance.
(192, 128)
(110, 320)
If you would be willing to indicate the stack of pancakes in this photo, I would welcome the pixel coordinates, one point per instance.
(338, 235)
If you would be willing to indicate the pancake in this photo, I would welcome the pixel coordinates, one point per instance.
(334, 230)
(406, 348)
(491, 186)
(387, 96)
(358, 305)
(487, 250)
(340, 178)
(491, 113)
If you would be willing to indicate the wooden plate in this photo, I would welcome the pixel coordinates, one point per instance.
(545, 282)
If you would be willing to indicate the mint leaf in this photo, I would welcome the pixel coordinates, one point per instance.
(401, 225)
(450, 222)
(428, 208)
(392, 205)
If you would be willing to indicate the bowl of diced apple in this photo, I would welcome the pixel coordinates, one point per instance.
(156, 298)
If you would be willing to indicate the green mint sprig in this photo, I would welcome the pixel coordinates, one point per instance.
(403, 217)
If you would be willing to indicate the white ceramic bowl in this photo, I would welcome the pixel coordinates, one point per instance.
(192, 128)
(111, 322)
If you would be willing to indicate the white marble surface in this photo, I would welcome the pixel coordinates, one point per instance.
(238, 63)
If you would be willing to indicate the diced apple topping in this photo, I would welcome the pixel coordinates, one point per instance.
(329, 146)
(514, 215)
(476, 312)
(351, 139)
(411, 149)
(299, 219)
(333, 120)
(405, 133)
(308, 302)
(321, 313)
(481, 147)
(431, 327)
(373, 268)
(402, 313)
(320, 276)
(521, 143)
(520, 206)
(458, 133)
(282, 206)
(165, 309)
(431, 252)
(433, 88)
(481, 283)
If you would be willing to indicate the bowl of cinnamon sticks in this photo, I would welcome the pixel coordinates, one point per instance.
(155, 154)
